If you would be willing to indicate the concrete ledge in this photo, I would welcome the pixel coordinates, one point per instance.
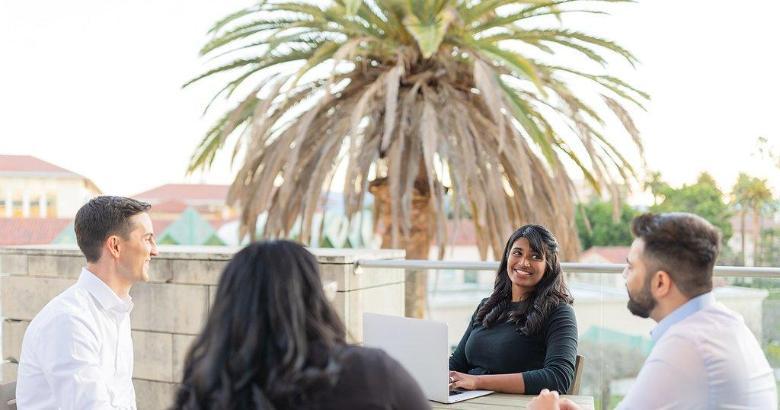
(200, 272)
(153, 395)
(168, 307)
(160, 270)
(8, 372)
(13, 264)
(181, 346)
(13, 332)
(24, 296)
(212, 296)
(171, 309)
(56, 266)
(153, 356)
(350, 306)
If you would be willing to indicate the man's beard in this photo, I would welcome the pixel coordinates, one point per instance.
(641, 304)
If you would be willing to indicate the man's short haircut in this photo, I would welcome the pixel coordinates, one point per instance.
(102, 217)
(683, 245)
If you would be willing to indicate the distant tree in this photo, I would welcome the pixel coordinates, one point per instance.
(751, 194)
(601, 227)
(703, 198)
(656, 185)
(769, 252)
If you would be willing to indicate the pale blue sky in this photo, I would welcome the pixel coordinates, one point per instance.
(94, 85)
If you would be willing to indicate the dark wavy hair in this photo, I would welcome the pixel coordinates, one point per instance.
(272, 339)
(550, 292)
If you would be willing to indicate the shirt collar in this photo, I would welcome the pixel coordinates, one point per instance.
(103, 294)
(690, 307)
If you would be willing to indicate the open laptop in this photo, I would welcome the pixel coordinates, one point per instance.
(421, 348)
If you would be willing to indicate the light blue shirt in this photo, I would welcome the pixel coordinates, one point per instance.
(704, 358)
(692, 306)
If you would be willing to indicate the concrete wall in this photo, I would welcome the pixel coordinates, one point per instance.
(172, 308)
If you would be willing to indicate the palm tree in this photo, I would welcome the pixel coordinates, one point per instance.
(751, 194)
(423, 103)
(656, 185)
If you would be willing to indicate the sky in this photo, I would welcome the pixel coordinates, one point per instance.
(94, 86)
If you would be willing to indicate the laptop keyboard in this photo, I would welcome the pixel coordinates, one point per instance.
(454, 392)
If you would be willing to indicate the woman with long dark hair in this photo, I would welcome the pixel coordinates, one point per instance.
(523, 338)
(273, 341)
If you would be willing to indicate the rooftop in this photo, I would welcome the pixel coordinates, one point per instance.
(186, 193)
(30, 231)
(605, 254)
(29, 166)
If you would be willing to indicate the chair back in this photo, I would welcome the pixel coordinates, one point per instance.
(575, 385)
(7, 395)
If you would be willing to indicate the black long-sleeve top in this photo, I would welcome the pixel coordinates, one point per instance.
(546, 359)
(370, 380)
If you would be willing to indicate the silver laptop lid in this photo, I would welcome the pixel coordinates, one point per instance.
(419, 345)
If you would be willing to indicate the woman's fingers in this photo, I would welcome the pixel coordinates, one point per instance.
(546, 400)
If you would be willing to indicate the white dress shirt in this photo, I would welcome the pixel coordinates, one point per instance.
(77, 352)
(704, 358)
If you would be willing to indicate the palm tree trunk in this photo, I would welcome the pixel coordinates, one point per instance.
(756, 234)
(417, 244)
(742, 235)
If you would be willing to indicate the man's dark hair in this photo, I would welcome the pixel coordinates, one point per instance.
(683, 245)
(102, 217)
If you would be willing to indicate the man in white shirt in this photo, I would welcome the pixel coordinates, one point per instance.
(704, 356)
(77, 352)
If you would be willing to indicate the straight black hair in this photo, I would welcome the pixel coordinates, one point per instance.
(272, 338)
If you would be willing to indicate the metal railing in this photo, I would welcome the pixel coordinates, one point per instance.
(570, 267)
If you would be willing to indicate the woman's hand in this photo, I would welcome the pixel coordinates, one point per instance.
(463, 381)
(549, 400)
(546, 400)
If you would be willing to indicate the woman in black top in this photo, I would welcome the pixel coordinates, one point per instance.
(273, 341)
(523, 338)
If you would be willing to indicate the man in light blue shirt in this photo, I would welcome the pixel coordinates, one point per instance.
(704, 356)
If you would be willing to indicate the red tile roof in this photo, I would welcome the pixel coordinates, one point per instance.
(30, 231)
(169, 207)
(30, 164)
(609, 254)
(184, 193)
(42, 231)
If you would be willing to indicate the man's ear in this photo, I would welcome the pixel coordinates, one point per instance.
(661, 284)
(112, 246)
